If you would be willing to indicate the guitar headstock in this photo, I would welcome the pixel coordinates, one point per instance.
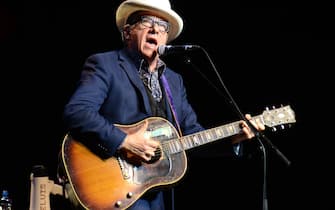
(279, 116)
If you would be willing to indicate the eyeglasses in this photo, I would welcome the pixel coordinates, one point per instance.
(150, 21)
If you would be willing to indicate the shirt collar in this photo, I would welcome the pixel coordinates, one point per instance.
(142, 64)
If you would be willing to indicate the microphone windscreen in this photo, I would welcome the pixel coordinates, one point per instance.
(161, 49)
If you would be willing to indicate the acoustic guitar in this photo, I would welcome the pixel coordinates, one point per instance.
(117, 182)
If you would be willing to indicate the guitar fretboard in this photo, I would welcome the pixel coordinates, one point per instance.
(203, 137)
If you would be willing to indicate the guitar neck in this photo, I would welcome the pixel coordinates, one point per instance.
(203, 137)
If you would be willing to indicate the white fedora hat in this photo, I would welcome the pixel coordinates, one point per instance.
(160, 7)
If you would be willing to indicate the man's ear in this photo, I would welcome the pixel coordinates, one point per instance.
(126, 32)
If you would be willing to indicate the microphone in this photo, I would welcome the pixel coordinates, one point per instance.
(170, 49)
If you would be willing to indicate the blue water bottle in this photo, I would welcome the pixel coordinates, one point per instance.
(5, 202)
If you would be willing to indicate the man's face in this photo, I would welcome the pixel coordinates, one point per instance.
(147, 33)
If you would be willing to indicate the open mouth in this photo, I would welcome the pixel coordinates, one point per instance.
(152, 42)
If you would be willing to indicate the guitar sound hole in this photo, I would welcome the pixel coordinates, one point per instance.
(158, 154)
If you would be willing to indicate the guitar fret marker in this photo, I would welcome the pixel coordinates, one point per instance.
(208, 135)
(195, 140)
(218, 132)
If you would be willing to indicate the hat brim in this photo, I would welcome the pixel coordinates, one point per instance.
(131, 6)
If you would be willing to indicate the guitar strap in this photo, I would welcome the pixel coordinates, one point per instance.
(174, 113)
(170, 100)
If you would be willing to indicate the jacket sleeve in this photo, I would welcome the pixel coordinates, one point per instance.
(81, 114)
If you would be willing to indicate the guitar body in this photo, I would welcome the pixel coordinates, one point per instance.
(118, 181)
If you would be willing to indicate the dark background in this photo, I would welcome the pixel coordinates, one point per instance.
(267, 54)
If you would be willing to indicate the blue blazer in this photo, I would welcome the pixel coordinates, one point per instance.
(110, 92)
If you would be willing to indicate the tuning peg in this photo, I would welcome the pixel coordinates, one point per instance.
(274, 129)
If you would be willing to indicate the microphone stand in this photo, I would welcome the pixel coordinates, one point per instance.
(258, 134)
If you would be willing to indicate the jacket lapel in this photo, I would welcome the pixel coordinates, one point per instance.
(130, 69)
